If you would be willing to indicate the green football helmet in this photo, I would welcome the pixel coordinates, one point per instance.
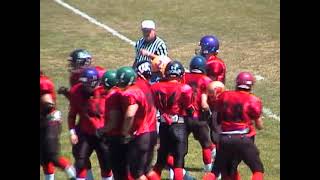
(126, 76)
(109, 79)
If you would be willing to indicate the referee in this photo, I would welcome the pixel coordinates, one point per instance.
(149, 46)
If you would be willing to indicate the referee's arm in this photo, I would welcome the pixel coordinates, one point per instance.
(160, 51)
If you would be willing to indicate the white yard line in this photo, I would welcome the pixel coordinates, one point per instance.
(270, 114)
(266, 111)
(94, 21)
(258, 77)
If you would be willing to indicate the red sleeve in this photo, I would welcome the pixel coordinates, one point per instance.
(47, 87)
(100, 70)
(128, 99)
(255, 109)
(186, 94)
(204, 84)
(218, 71)
(72, 109)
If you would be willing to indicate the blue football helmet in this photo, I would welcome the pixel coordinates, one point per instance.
(198, 64)
(79, 58)
(89, 77)
(209, 44)
(174, 69)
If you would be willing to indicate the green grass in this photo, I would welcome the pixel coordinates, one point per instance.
(248, 30)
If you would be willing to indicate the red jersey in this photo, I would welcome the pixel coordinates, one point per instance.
(238, 109)
(199, 84)
(47, 87)
(112, 102)
(145, 118)
(75, 75)
(90, 110)
(172, 98)
(216, 68)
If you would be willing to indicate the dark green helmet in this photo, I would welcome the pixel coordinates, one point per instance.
(126, 76)
(109, 79)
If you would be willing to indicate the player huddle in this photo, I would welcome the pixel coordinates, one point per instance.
(118, 112)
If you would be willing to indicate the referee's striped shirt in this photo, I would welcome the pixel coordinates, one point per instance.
(157, 47)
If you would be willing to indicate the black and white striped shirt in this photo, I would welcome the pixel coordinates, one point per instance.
(157, 47)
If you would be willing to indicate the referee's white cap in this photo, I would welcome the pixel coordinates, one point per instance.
(148, 24)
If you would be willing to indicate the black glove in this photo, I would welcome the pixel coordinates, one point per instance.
(206, 115)
(63, 90)
(125, 139)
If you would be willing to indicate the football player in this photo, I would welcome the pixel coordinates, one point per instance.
(239, 109)
(111, 132)
(173, 99)
(209, 48)
(50, 128)
(79, 59)
(139, 125)
(87, 100)
(159, 64)
(198, 81)
(214, 89)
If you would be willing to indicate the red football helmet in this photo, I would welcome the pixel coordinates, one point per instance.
(245, 80)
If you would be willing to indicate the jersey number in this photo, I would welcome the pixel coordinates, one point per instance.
(165, 101)
(236, 114)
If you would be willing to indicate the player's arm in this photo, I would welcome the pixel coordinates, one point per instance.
(220, 74)
(187, 100)
(129, 118)
(114, 116)
(259, 123)
(204, 102)
(49, 111)
(64, 91)
(255, 112)
(72, 121)
(47, 103)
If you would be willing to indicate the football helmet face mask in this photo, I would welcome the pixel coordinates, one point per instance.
(174, 69)
(143, 68)
(208, 44)
(245, 80)
(89, 78)
(126, 76)
(109, 79)
(198, 64)
(78, 59)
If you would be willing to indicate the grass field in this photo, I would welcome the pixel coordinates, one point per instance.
(249, 34)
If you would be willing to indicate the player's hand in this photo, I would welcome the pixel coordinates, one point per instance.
(62, 90)
(145, 52)
(74, 139)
